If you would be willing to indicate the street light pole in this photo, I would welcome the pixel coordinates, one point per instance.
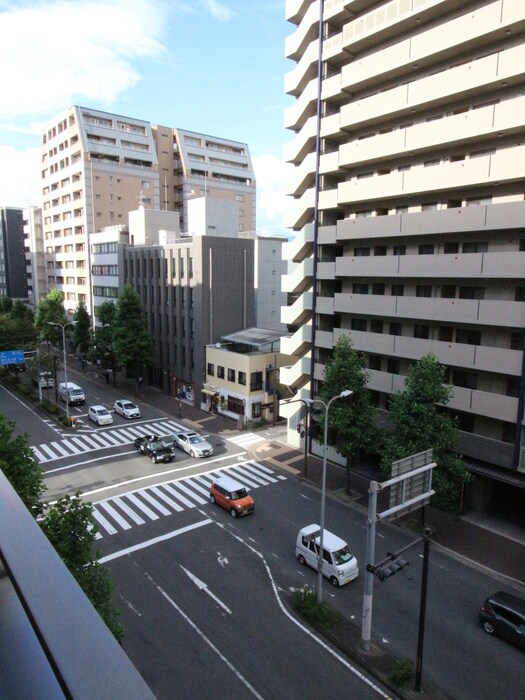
(63, 327)
(342, 395)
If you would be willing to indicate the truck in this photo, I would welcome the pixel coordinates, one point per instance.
(44, 380)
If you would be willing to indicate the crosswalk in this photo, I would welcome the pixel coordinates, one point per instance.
(136, 508)
(82, 443)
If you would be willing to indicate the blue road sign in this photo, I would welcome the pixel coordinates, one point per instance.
(11, 357)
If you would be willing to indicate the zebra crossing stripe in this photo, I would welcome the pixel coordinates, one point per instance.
(129, 511)
(104, 524)
(254, 467)
(178, 495)
(92, 441)
(185, 489)
(71, 446)
(205, 490)
(116, 515)
(48, 450)
(155, 503)
(160, 494)
(39, 455)
(110, 439)
(57, 446)
(243, 478)
(142, 506)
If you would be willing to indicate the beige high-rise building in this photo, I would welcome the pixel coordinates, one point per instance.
(411, 240)
(97, 167)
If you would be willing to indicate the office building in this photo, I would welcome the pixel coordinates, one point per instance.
(409, 234)
(13, 277)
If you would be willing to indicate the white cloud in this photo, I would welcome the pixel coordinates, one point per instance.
(53, 52)
(272, 176)
(218, 10)
(19, 177)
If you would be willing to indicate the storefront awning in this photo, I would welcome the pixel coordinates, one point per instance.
(209, 392)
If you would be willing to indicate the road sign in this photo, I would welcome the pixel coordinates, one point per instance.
(11, 357)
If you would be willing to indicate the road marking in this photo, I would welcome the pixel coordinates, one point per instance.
(204, 587)
(246, 439)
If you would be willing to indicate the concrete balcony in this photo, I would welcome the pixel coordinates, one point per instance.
(307, 31)
(298, 374)
(324, 339)
(299, 312)
(299, 343)
(300, 245)
(301, 211)
(477, 312)
(304, 143)
(467, 266)
(296, 80)
(300, 279)
(484, 403)
(296, 116)
(302, 177)
(325, 305)
(326, 270)
(471, 357)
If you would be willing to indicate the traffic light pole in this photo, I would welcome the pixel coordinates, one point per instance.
(422, 610)
(366, 628)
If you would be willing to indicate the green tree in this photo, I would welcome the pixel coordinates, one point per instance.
(351, 422)
(82, 328)
(18, 463)
(104, 338)
(420, 422)
(132, 342)
(51, 310)
(71, 528)
(17, 330)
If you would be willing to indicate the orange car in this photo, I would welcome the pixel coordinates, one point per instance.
(232, 496)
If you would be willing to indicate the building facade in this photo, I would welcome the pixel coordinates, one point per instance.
(35, 255)
(13, 274)
(409, 235)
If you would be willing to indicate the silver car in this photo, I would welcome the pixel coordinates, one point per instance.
(126, 409)
(192, 443)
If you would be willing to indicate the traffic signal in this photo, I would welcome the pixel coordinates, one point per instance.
(390, 566)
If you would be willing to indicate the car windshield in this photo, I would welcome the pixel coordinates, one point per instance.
(128, 406)
(157, 445)
(195, 439)
(240, 493)
(342, 555)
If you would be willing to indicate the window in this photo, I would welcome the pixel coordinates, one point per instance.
(220, 372)
(451, 248)
(392, 366)
(398, 290)
(468, 337)
(400, 250)
(231, 375)
(468, 380)
(211, 369)
(358, 288)
(361, 251)
(471, 292)
(395, 328)
(422, 332)
(378, 288)
(358, 324)
(374, 362)
(376, 326)
(426, 249)
(424, 290)
(242, 378)
(380, 250)
(236, 405)
(520, 294)
(445, 334)
(256, 381)
(475, 247)
(256, 410)
(448, 291)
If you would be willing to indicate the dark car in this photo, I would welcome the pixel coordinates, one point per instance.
(140, 442)
(504, 614)
(159, 451)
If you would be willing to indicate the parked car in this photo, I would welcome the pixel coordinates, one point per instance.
(504, 614)
(126, 409)
(232, 496)
(159, 451)
(100, 415)
(192, 443)
(140, 442)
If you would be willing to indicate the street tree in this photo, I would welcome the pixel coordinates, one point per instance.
(419, 421)
(51, 310)
(352, 422)
(132, 342)
(20, 466)
(104, 338)
(17, 330)
(82, 328)
(71, 528)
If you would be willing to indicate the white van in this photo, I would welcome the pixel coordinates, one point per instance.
(71, 393)
(339, 564)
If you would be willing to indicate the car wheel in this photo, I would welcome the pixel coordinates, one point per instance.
(192, 453)
(212, 498)
(334, 582)
(153, 459)
(488, 627)
(301, 560)
(233, 513)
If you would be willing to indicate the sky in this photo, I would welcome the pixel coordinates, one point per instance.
(212, 66)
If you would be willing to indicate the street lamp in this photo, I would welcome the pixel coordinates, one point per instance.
(342, 395)
(63, 326)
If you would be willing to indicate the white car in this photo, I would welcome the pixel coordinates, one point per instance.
(126, 408)
(100, 415)
(192, 443)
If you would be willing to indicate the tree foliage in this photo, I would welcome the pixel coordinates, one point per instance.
(17, 330)
(51, 310)
(351, 422)
(82, 328)
(71, 529)
(20, 467)
(131, 340)
(419, 422)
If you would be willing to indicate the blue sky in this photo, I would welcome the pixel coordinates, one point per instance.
(211, 66)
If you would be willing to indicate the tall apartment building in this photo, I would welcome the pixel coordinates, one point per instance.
(13, 278)
(34, 254)
(410, 234)
(97, 167)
